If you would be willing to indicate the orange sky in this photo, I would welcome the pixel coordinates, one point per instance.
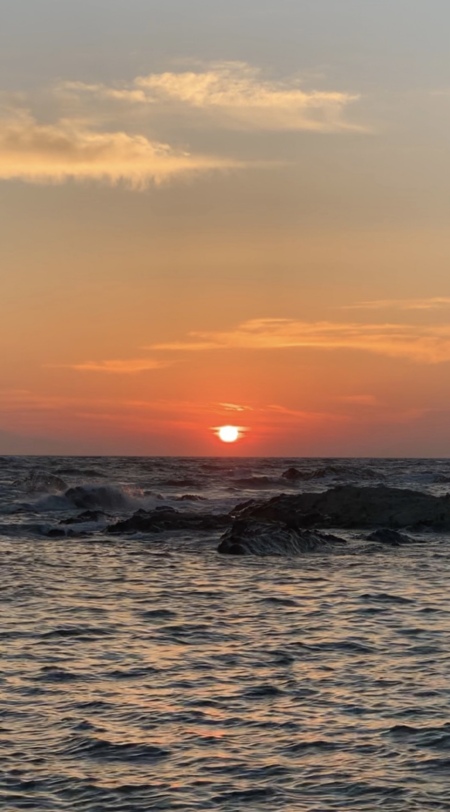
(221, 214)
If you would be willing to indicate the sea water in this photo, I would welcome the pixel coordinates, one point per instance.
(148, 672)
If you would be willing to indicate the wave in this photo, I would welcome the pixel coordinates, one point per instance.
(254, 482)
(86, 516)
(80, 472)
(107, 498)
(105, 750)
(186, 482)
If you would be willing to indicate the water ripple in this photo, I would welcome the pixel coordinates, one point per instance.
(159, 676)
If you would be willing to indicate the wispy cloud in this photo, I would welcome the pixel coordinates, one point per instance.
(43, 153)
(426, 344)
(236, 96)
(90, 135)
(357, 400)
(128, 366)
(14, 400)
(432, 303)
(277, 414)
(233, 407)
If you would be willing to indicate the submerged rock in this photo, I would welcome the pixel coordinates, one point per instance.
(42, 482)
(86, 516)
(273, 538)
(293, 474)
(190, 497)
(156, 521)
(350, 506)
(387, 536)
(331, 470)
(97, 497)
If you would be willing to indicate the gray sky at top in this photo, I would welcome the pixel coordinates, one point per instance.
(359, 44)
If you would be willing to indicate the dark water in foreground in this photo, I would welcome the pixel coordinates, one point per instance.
(150, 673)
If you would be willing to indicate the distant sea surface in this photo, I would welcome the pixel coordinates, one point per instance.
(148, 672)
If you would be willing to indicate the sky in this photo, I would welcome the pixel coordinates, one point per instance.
(217, 212)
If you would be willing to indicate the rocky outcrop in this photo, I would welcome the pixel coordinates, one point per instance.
(162, 519)
(331, 470)
(350, 506)
(86, 516)
(274, 538)
(393, 538)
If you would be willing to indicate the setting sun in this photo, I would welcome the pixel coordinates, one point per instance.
(228, 434)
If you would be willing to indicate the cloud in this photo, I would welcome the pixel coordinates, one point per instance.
(432, 303)
(14, 400)
(233, 407)
(129, 366)
(358, 400)
(426, 344)
(275, 411)
(91, 136)
(235, 96)
(43, 153)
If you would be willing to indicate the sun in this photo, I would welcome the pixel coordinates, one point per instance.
(228, 434)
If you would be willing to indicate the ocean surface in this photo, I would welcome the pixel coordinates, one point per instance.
(148, 672)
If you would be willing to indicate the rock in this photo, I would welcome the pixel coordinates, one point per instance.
(356, 507)
(53, 533)
(97, 497)
(273, 538)
(161, 519)
(293, 474)
(86, 516)
(340, 470)
(190, 497)
(42, 482)
(391, 537)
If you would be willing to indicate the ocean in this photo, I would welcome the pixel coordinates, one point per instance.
(141, 669)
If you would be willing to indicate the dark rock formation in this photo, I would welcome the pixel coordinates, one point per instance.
(53, 533)
(190, 497)
(355, 507)
(161, 519)
(391, 537)
(331, 470)
(42, 482)
(273, 538)
(95, 497)
(86, 516)
(293, 474)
